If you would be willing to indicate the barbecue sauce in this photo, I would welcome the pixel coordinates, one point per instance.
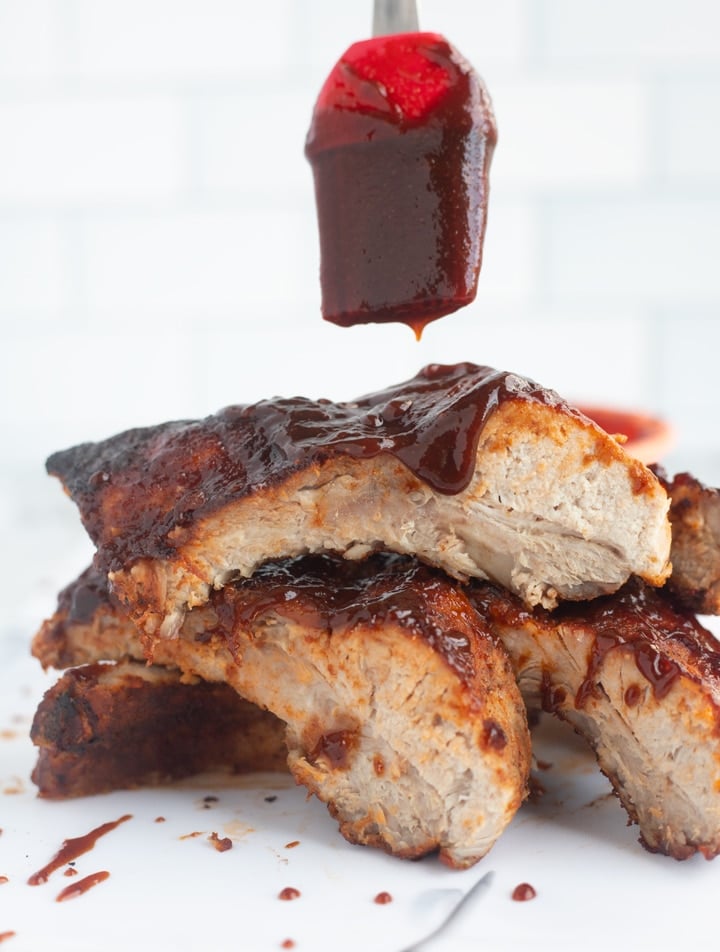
(72, 848)
(400, 143)
(335, 594)
(523, 892)
(82, 885)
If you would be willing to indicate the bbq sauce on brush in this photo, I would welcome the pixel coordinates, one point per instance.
(400, 144)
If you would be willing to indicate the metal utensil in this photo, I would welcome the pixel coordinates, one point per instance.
(394, 16)
(481, 886)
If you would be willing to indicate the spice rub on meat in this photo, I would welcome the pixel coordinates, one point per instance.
(639, 678)
(109, 726)
(479, 472)
(401, 710)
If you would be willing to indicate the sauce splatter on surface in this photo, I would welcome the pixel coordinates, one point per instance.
(72, 848)
(6, 935)
(383, 898)
(288, 893)
(292, 844)
(82, 885)
(524, 892)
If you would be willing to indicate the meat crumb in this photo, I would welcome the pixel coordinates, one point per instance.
(221, 844)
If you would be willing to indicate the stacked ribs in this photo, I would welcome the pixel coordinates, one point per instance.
(375, 594)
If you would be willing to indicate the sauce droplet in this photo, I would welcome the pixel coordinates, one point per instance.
(82, 885)
(292, 844)
(287, 944)
(6, 935)
(523, 892)
(383, 898)
(288, 893)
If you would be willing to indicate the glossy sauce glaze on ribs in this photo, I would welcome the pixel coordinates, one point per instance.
(479, 472)
(635, 675)
(401, 708)
(639, 678)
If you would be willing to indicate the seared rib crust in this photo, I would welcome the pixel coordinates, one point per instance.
(480, 472)
(402, 711)
(640, 680)
(108, 726)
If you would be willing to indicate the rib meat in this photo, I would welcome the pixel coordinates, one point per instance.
(402, 711)
(107, 726)
(633, 674)
(480, 472)
(640, 680)
(695, 550)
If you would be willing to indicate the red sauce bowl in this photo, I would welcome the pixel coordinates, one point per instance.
(648, 438)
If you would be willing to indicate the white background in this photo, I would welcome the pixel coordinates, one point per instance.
(158, 245)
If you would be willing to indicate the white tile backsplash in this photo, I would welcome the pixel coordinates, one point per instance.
(158, 243)
(562, 135)
(32, 270)
(28, 47)
(630, 33)
(175, 40)
(688, 143)
(659, 250)
(95, 150)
